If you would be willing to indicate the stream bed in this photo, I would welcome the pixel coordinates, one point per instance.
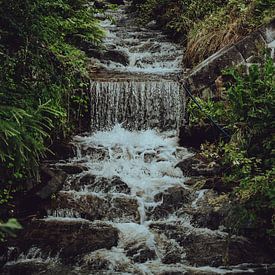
(125, 206)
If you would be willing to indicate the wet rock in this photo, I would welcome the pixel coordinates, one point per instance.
(116, 56)
(205, 74)
(33, 202)
(216, 184)
(268, 32)
(172, 199)
(88, 179)
(104, 260)
(61, 150)
(31, 268)
(171, 252)
(80, 182)
(140, 253)
(38, 267)
(257, 269)
(90, 207)
(208, 211)
(73, 238)
(152, 25)
(120, 186)
(196, 167)
(172, 257)
(193, 181)
(95, 153)
(72, 168)
(52, 181)
(124, 208)
(99, 207)
(213, 248)
(198, 134)
(100, 184)
(251, 45)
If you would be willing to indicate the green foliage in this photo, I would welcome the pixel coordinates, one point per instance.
(248, 159)
(213, 109)
(5, 196)
(9, 228)
(41, 68)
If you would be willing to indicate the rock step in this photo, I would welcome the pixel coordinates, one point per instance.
(154, 47)
(108, 207)
(170, 200)
(211, 247)
(68, 238)
(106, 267)
(109, 76)
(91, 183)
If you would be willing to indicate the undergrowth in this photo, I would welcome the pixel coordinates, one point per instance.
(41, 72)
(248, 159)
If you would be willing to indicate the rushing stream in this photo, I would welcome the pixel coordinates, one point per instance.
(123, 210)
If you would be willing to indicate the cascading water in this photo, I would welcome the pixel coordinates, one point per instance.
(122, 207)
(137, 104)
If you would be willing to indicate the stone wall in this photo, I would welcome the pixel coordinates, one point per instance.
(202, 78)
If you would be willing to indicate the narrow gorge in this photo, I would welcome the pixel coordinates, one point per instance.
(127, 200)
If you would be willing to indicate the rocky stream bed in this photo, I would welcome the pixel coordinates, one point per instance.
(125, 198)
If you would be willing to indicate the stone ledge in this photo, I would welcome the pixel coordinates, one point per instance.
(203, 76)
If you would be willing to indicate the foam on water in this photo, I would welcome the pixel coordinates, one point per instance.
(127, 160)
(145, 54)
(35, 254)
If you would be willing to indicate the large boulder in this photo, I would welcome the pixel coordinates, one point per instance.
(116, 56)
(170, 200)
(206, 247)
(100, 184)
(61, 150)
(52, 180)
(198, 134)
(99, 207)
(72, 238)
(72, 168)
(195, 166)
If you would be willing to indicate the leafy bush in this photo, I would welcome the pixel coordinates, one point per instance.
(9, 228)
(248, 159)
(41, 70)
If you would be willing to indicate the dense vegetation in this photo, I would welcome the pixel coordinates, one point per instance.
(205, 26)
(248, 159)
(41, 70)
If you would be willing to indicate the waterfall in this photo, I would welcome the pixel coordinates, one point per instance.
(137, 105)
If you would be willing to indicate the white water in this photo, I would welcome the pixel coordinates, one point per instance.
(127, 158)
(146, 51)
(137, 104)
